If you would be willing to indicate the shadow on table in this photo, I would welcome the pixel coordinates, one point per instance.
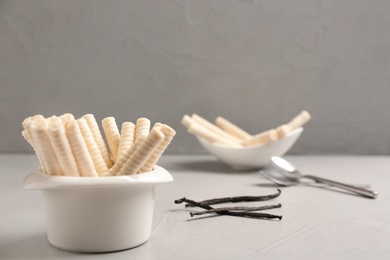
(38, 247)
(207, 166)
(31, 247)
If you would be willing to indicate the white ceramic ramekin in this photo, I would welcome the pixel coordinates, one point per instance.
(98, 214)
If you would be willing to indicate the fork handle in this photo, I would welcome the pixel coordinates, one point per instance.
(362, 191)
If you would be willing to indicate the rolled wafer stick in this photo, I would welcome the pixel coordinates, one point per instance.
(298, 121)
(26, 133)
(187, 121)
(144, 150)
(80, 150)
(232, 129)
(112, 135)
(169, 133)
(283, 130)
(127, 137)
(262, 138)
(97, 135)
(142, 127)
(125, 156)
(41, 139)
(201, 131)
(61, 146)
(65, 118)
(215, 128)
(158, 125)
(93, 149)
(27, 137)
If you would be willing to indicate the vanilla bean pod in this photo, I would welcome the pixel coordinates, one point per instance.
(238, 199)
(230, 213)
(235, 209)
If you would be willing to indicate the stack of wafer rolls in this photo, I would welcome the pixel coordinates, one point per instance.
(226, 133)
(76, 147)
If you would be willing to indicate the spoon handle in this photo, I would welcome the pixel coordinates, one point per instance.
(362, 191)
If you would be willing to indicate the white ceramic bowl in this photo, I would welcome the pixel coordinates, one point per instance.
(252, 157)
(90, 214)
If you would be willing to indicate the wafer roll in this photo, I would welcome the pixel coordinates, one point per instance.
(142, 127)
(41, 139)
(187, 121)
(298, 121)
(127, 137)
(283, 130)
(26, 133)
(65, 118)
(215, 129)
(262, 138)
(112, 135)
(212, 137)
(27, 137)
(80, 151)
(144, 150)
(169, 133)
(125, 156)
(93, 148)
(232, 129)
(61, 146)
(97, 135)
(158, 125)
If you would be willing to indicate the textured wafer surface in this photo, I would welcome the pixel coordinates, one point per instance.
(125, 156)
(232, 129)
(41, 139)
(61, 146)
(93, 149)
(169, 133)
(142, 153)
(112, 136)
(126, 138)
(97, 135)
(142, 127)
(80, 150)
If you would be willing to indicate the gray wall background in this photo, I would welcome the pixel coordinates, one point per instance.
(257, 63)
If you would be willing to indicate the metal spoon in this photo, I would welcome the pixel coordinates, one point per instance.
(291, 176)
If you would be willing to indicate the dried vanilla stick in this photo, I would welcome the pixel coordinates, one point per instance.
(112, 135)
(97, 135)
(262, 138)
(215, 128)
(127, 137)
(125, 156)
(169, 133)
(80, 151)
(144, 150)
(232, 129)
(142, 127)
(61, 146)
(38, 129)
(93, 149)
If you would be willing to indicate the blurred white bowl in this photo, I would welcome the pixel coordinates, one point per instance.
(252, 157)
(98, 214)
